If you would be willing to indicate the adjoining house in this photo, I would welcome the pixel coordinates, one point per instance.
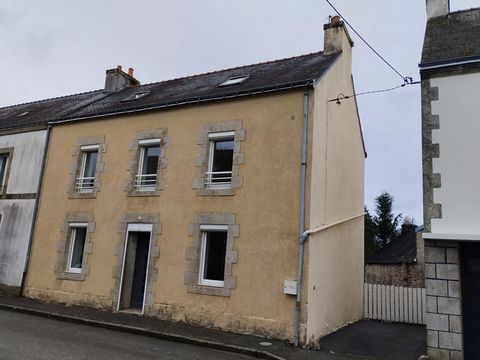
(231, 199)
(23, 138)
(400, 263)
(450, 73)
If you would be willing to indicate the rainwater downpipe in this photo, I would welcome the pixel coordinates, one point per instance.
(298, 304)
(35, 210)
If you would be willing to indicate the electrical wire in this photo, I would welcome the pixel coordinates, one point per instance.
(406, 79)
(341, 97)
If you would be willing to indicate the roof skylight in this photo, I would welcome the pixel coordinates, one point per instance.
(135, 96)
(235, 80)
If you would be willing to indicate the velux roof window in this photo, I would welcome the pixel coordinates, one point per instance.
(135, 96)
(235, 80)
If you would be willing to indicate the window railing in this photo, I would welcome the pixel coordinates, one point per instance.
(145, 182)
(218, 178)
(85, 184)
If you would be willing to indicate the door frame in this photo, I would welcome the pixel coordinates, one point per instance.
(135, 227)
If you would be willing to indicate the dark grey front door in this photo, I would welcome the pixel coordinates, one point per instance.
(140, 272)
(470, 271)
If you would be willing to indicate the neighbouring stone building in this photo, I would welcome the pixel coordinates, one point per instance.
(225, 199)
(400, 263)
(450, 77)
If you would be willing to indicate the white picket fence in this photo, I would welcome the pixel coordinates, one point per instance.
(394, 303)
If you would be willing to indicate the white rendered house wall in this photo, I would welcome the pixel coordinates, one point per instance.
(458, 108)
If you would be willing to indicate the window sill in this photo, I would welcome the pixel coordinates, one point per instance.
(217, 192)
(209, 290)
(71, 276)
(143, 193)
(83, 195)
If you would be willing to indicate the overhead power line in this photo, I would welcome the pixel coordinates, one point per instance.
(406, 79)
(341, 97)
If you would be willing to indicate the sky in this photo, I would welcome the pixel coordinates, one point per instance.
(52, 48)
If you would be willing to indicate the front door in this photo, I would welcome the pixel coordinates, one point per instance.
(140, 270)
(135, 268)
(470, 271)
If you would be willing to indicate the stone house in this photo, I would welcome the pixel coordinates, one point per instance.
(400, 263)
(211, 199)
(450, 77)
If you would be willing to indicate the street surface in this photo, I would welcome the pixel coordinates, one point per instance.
(25, 336)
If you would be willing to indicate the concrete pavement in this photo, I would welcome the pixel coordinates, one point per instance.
(380, 340)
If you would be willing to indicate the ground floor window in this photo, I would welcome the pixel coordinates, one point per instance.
(213, 252)
(76, 248)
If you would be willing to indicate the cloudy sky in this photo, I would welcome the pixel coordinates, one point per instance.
(52, 48)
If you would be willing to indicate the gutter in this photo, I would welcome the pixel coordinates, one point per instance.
(35, 210)
(298, 303)
(199, 100)
(307, 233)
(448, 63)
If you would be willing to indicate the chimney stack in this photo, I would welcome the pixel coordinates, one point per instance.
(437, 8)
(116, 79)
(336, 37)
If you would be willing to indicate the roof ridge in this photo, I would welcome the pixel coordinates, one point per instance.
(458, 12)
(48, 99)
(233, 68)
(463, 10)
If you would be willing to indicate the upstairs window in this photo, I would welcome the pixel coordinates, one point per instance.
(76, 247)
(4, 159)
(86, 178)
(213, 254)
(219, 174)
(146, 178)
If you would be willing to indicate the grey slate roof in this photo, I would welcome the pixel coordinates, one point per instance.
(269, 76)
(402, 250)
(263, 77)
(455, 36)
(38, 113)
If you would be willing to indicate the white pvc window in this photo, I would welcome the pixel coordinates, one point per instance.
(220, 160)
(3, 168)
(213, 255)
(86, 178)
(78, 234)
(146, 178)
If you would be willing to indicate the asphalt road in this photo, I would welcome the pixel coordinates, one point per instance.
(25, 336)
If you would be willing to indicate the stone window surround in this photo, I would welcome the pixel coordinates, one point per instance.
(137, 218)
(9, 151)
(203, 157)
(133, 164)
(64, 246)
(193, 253)
(77, 164)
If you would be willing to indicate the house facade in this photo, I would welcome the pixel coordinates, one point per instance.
(232, 199)
(450, 74)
